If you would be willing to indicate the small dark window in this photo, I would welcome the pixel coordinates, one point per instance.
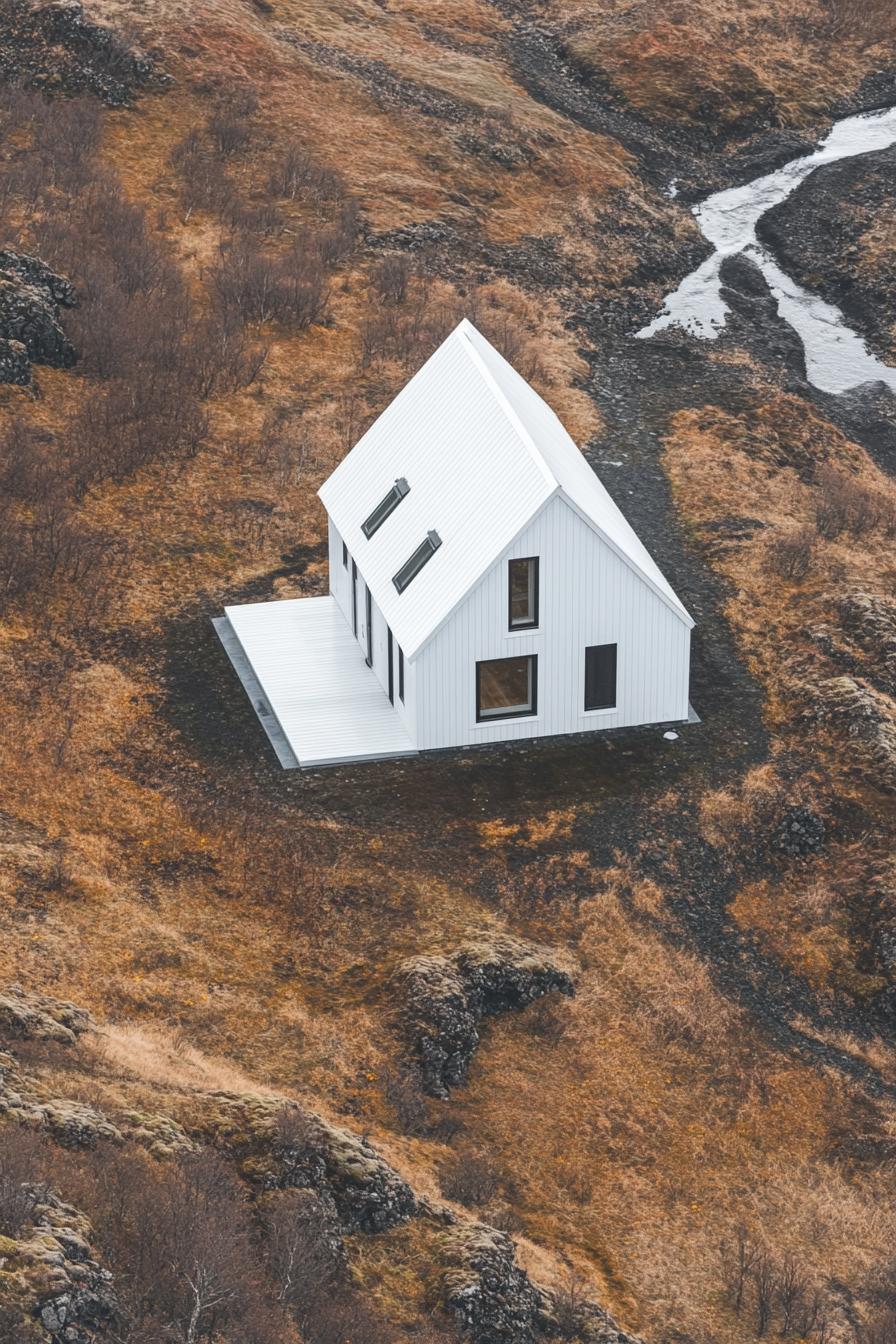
(389, 648)
(506, 688)
(411, 568)
(344, 556)
(354, 599)
(368, 611)
(385, 507)
(600, 676)
(523, 594)
(401, 675)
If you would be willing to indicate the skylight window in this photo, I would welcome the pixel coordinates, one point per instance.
(412, 567)
(385, 507)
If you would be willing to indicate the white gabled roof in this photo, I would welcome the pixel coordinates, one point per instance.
(482, 454)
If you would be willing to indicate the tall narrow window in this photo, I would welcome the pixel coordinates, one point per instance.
(389, 650)
(368, 612)
(506, 688)
(385, 507)
(523, 593)
(401, 674)
(600, 676)
(412, 567)
(344, 556)
(354, 599)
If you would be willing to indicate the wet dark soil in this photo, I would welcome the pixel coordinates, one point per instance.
(835, 235)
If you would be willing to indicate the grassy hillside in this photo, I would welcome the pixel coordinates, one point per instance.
(270, 213)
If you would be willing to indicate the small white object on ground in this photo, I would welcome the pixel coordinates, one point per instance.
(670, 736)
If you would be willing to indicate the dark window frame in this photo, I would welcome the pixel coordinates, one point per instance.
(387, 505)
(389, 651)
(354, 597)
(416, 561)
(368, 613)
(603, 704)
(344, 556)
(499, 715)
(401, 674)
(522, 625)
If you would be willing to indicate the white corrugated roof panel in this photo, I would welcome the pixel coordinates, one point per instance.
(481, 453)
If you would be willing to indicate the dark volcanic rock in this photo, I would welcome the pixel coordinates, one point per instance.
(30, 298)
(281, 1146)
(15, 366)
(494, 1301)
(867, 717)
(834, 235)
(490, 1297)
(54, 46)
(446, 997)
(52, 1276)
(30, 1017)
(745, 290)
(799, 832)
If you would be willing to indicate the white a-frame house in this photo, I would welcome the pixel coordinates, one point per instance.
(483, 587)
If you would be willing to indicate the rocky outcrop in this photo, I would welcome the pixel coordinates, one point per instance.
(869, 619)
(30, 298)
(56, 47)
(490, 1297)
(799, 832)
(36, 1017)
(51, 1280)
(73, 1124)
(445, 998)
(281, 1146)
(866, 716)
(493, 1300)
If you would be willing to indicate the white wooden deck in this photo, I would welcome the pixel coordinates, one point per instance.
(314, 680)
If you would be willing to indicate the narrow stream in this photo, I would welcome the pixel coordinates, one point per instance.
(837, 358)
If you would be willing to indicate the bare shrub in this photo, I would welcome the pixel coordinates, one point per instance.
(404, 1095)
(773, 1289)
(298, 174)
(846, 505)
(790, 554)
(20, 1190)
(472, 1178)
(230, 124)
(864, 21)
(391, 277)
(252, 284)
(301, 1249)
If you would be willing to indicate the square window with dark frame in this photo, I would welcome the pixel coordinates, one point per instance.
(522, 593)
(600, 676)
(506, 688)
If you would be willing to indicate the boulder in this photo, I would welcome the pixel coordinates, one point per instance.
(37, 1017)
(55, 46)
(799, 832)
(30, 316)
(280, 1145)
(493, 1300)
(52, 1277)
(445, 997)
(866, 716)
(870, 621)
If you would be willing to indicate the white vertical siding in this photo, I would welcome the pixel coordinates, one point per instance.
(587, 596)
(340, 576)
(341, 588)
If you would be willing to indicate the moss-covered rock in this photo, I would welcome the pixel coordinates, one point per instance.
(445, 998)
(280, 1145)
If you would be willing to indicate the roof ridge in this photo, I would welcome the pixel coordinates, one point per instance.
(462, 330)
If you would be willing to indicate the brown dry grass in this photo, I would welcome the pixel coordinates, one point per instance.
(142, 883)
